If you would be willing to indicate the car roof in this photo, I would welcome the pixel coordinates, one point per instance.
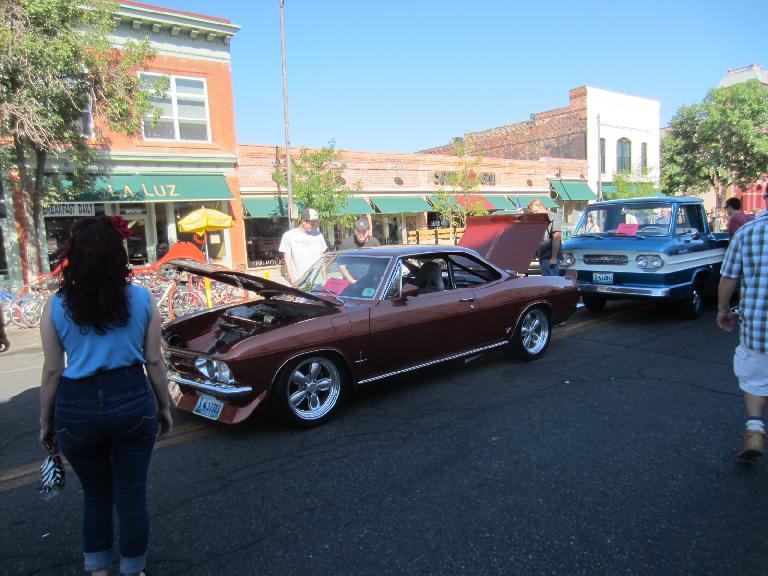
(400, 249)
(648, 199)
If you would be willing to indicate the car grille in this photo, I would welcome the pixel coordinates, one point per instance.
(617, 259)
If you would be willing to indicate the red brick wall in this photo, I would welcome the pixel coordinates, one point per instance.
(218, 76)
(559, 133)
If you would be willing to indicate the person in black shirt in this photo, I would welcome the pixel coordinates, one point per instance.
(360, 238)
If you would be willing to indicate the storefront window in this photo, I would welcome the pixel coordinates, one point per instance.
(262, 237)
(57, 231)
(386, 229)
(161, 230)
(215, 240)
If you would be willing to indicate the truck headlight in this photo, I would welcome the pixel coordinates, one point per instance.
(214, 370)
(569, 259)
(649, 262)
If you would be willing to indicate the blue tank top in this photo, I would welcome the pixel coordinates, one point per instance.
(88, 352)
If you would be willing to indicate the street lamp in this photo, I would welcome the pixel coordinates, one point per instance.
(292, 211)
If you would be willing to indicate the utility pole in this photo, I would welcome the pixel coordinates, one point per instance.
(599, 163)
(293, 212)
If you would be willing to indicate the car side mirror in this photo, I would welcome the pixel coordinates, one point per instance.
(696, 236)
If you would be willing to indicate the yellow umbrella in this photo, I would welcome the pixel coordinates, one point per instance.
(205, 220)
(201, 221)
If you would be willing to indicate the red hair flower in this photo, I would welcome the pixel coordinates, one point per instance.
(121, 225)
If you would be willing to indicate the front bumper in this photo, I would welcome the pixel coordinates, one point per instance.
(617, 291)
(186, 392)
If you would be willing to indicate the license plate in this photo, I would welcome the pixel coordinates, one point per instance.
(208, 407)
(602, 277)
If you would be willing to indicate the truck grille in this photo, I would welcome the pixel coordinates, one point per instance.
(617, 259)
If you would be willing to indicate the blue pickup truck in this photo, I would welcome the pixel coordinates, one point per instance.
(659, 249)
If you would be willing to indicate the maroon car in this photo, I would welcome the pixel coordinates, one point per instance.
(360, 316)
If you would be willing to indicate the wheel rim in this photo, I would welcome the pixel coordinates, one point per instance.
(534, 331)
(695, 300)
(314, 386)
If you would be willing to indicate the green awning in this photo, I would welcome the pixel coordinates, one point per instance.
(400, 204)
(158, 188)
(573, 190)
(265, 207)
(523, 200)
(434, 197)
(500, 202)
(356, 206)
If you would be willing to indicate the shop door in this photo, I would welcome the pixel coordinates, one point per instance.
(137, 243)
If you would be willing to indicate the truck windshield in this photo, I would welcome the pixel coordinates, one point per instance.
(630, 219)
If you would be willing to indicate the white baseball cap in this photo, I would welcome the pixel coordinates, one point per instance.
(309, 214)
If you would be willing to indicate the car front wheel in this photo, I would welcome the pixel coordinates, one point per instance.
(531, 338)
(691, 307)
(309, 391)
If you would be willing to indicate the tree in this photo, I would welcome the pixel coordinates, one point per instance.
(718, 143)
(57, 66)
(318, 183)
(628, 185)
(456, 203)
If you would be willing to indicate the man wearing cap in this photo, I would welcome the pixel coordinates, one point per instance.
(302, 246)
(360, 238)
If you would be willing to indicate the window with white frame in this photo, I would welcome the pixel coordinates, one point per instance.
(183, 110)
(623, 155)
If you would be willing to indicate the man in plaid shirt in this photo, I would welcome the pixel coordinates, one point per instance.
(747, 260)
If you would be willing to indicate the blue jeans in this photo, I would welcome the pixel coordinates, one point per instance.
(106, 426)
(547, 270)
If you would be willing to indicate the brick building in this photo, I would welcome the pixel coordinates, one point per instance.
(395, 191)
(612, 132)
(186, 161)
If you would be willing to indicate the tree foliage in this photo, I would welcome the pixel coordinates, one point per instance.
(719, 142)
(455, 203)
(628, 185)
(318, 182)
(57, 63)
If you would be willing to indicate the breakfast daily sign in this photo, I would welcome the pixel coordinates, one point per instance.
(69, 210)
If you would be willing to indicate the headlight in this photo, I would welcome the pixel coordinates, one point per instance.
(569, 259)
(214, 370)
(650, 262)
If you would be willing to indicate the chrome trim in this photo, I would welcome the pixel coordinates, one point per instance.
(209, 386)
(433, 362)
(627, 290)
(605, 259)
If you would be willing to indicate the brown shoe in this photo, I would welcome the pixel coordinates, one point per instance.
(753, 446)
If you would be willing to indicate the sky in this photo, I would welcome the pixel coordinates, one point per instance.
(404, 75)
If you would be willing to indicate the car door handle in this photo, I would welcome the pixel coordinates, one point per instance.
(466, 300)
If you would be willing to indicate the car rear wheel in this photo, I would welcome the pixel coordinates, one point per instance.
(532, 336)
(593, 303)
(309, 391)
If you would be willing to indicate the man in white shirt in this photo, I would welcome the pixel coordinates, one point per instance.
(302, 246)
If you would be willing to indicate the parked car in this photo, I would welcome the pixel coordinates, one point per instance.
(360, 316)
(659, 249)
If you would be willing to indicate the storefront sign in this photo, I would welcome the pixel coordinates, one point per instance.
(69, 210)
(143, 192)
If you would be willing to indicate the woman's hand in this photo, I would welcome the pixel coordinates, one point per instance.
(165, 420)
(47, 437)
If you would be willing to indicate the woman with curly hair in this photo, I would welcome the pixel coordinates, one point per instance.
(100, 406)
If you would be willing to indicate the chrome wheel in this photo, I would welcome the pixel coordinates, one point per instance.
(313, 388)
(534, 331)
(532, 335)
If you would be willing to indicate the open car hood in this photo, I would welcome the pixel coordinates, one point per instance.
(508, 240)
(261, 286)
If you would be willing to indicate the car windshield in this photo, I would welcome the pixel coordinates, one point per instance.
(630, 219)
(345, 275)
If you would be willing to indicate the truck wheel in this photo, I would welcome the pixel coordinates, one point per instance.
(593, 303)
(693, 304)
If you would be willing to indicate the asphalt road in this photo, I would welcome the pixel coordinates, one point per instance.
(614, 454)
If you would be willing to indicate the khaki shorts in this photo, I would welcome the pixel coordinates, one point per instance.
(751, 368)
